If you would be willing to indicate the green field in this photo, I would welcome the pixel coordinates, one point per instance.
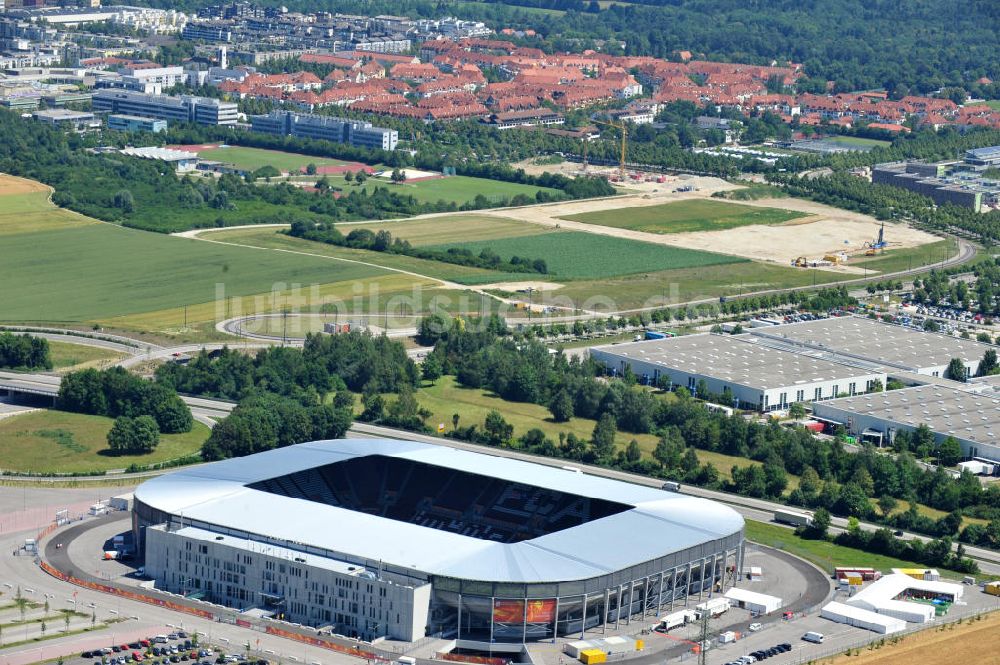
(457, 189)
(858, 141)
(686, 217)
(824, 554)
(21, 213)
(57, 441)
(252, 159)
(444, 229)
(578, 255)
(446, 397)
(271, 238)
(66, 356)
(994, 104)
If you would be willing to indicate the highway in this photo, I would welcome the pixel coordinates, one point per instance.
(755, 509)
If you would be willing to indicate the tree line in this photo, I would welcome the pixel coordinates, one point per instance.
(24, 352)
(382, 241)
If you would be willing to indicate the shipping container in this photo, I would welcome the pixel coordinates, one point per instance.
(593, 656)
(992, 588)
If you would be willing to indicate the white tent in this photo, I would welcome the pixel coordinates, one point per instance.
(757, 603)
(861, 618)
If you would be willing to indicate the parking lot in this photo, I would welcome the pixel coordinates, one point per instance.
(164, 649)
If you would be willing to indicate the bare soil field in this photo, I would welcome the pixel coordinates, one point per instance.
(824, 231)
(968, 643)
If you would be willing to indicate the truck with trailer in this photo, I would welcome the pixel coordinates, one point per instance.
(676, 620)
(793, 517)
(713, 608)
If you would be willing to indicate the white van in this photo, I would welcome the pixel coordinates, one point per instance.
(160, 639)
(814, 637)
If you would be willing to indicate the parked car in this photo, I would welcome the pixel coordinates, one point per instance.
(754, 627)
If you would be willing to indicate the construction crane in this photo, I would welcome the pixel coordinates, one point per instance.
(624, 130)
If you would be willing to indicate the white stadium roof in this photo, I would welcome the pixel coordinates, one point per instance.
(656, 524)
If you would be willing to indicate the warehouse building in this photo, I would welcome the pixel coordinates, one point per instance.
(182, 108)
(858, 339)
(327, 128)
(972, 418)
(760, 377)
(385, 538)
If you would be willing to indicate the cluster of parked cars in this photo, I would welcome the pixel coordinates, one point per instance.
(761, 654)
(158, 650)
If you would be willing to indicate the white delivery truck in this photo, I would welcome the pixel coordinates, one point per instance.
(676, 619)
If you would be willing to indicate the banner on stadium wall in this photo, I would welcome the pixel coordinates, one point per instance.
(508, 611)
(542, 611)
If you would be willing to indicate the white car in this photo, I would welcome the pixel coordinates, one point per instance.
(754, 627)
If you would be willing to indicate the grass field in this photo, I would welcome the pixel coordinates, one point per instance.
(444, 229)
(446, 397)
(858, 141)
(824, 554)
(66, 356)
(57, 441)
(453, 189)
(579, 255)
(82, 270)
(254, 158)
(687, 216)
(994, 104)
(271, 238)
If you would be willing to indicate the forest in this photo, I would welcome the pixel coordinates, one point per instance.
(24, 352)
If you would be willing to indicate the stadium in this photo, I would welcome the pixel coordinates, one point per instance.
(394, 539)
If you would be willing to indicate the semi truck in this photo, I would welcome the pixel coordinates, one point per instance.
(713, 608)
(676, 619)
(793, 517)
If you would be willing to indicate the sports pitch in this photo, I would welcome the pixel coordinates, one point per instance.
(687, 216)
(252, 159)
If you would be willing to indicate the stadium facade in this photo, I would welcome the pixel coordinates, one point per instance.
(384, 538)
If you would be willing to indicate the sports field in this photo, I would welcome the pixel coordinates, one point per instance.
(687, 216)
(255, 158)
(48, 441)
(578, 255)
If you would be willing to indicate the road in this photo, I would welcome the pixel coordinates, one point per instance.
(755, 509)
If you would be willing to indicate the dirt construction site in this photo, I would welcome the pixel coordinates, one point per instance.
(823, 230)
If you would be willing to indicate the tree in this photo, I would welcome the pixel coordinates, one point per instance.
(311, 169)
(950, 452)
(820, 525)
(497, 430)
(454, 420)
(348, 176)
(956, 370)
(603, 437)
(360, 177)
(797, 410)
(561, 406)
(633, 454)
(431, 369)
(887, 504)
(988, 364)
(124, 201)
